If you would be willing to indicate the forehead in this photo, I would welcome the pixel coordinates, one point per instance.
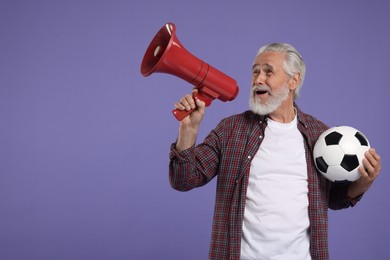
(270, 59)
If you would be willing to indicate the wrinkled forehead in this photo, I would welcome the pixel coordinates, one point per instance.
(272, 60)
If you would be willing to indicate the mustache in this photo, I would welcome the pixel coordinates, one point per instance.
(261, 88)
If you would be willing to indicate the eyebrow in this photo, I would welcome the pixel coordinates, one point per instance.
(266, 66)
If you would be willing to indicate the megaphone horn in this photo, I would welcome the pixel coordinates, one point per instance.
(166, 54)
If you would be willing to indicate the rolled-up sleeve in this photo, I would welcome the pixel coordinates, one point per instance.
(195, 166)
(338, 197)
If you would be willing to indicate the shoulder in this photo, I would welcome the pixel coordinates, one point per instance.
(247, 117)
(244, 120)
(238, 123)
(313, 122)
(310, 121)
(312, 127)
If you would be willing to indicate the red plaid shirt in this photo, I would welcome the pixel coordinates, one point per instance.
(227, 153)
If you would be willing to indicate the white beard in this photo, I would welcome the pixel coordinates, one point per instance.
(274, 101)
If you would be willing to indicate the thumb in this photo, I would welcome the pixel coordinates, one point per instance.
(200, 104)
(199, 101)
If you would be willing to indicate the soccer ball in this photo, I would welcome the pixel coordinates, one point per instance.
(339, 152)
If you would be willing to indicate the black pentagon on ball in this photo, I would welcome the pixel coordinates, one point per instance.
(333, 138)
(363, 141)
(342, 181)
(350, 162)
(321, 164)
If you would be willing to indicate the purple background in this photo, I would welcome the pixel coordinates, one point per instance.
(84, 138)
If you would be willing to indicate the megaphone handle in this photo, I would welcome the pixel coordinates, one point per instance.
(181, 114)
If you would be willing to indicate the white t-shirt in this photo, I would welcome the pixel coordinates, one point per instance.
(276, 219)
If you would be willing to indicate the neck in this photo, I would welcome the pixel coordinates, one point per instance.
(285, 113)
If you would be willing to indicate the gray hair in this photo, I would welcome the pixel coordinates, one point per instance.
(293, 62)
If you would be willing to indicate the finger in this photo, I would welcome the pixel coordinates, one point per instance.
(184, 103)
(179, 106)
(376, 159)
(366, 168)
(373, 158)
(199, 102)
(187, 102)
(201, 105)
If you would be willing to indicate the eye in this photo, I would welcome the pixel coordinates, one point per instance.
(269, 72)
(255, 72)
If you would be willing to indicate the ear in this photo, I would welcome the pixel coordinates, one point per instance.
(293, 82)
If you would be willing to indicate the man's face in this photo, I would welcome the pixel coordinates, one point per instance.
(269, 83)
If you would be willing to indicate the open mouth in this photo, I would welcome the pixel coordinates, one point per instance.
(261, 92)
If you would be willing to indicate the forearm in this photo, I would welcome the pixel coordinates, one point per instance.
(193, 166)
(189, 126)
(186, 138)
(185, 172)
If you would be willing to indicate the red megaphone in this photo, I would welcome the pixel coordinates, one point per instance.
(167, 55)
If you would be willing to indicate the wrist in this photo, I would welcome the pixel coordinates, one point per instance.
(187, 138)
(354, 192)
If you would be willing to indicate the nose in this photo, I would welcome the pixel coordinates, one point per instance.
(259, 79)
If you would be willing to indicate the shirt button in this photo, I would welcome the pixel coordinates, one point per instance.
(249, 157)
(261, 137)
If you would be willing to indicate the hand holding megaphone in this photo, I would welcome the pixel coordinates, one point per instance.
(166, 54)
(188, 104)
(196, 94)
